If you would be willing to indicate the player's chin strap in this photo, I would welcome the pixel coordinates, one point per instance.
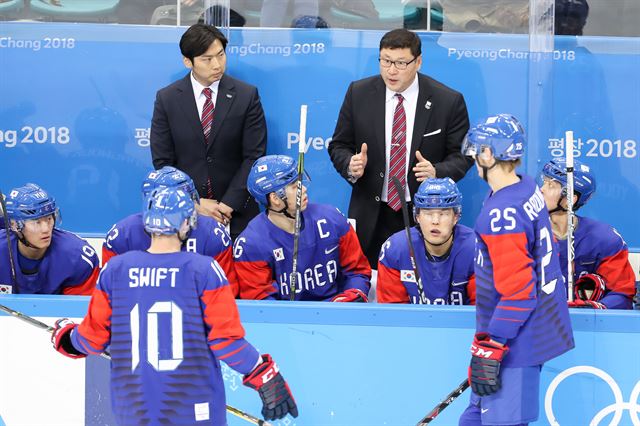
(558, 207)
(485, 169)
(426, 249)
(284, 210)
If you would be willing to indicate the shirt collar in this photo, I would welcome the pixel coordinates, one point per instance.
(197, 87)
(410, 92)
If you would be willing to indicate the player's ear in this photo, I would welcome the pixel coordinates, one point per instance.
(187, 62)
(273, 200)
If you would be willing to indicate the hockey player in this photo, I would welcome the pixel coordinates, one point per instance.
(169, 318)
(210, 238)
(443, 251)
(522, 319)
(331, 265)
(47, 259)
(603, 276)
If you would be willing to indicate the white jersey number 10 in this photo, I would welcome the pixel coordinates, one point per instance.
(153, 336)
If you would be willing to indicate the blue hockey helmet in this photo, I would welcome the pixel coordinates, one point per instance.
(30, 202)
(166, 210)
(501, 133)
(169, 177)
(271, 173)
(584, 182)
(438, 194)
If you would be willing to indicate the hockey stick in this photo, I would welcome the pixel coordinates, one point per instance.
(570, 213)
(106, 355)
(7, 227)
(445, 403)
(298, 216)
(407, 229)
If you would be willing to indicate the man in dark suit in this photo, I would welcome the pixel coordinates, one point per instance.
(212, 127)
(399, 114)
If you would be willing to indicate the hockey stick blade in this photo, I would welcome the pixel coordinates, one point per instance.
(445, 403)
(407, 228)
(19, 315)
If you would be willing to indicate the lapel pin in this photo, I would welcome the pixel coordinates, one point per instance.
(229, 95)
(428, 105)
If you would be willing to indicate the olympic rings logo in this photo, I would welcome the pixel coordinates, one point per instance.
(618, 407)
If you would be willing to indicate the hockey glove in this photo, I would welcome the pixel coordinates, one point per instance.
(351, 295)
(589, 287)
(484, 370)
(61, 338)
(276, 397)
(589, 304)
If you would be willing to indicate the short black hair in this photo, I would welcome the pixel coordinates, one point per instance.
(570, 16)
(198, 38)
(400, 39)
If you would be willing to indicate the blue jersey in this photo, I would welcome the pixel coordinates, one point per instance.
(599, 249)
(330, 259)
(209, 238)
(69, 266)
(449, 281)
(169, 319)
(520, 291)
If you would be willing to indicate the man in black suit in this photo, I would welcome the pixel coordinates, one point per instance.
(212, 127)
(427, 121)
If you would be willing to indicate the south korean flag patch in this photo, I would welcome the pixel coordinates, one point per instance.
(408, 276)
(5, 289)
(278, 254)
(262, 168)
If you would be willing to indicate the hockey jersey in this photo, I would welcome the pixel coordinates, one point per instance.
(169, 320)
(599, 249)
(209, 238)
(449, 281)
(330, 259)
(69, 266)
(520, 291)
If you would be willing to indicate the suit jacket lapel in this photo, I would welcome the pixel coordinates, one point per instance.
(224, 100)
(379, 117)
(423, 115)
(189, 108)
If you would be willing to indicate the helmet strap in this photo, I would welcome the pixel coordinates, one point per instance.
(426, 247)
(285, 210)
(485, 170)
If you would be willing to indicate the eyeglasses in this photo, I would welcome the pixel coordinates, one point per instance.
(400, 65)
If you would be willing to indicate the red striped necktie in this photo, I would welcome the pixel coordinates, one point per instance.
(398, 156)
(207, 120)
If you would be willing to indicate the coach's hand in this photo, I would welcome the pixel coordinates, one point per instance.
(484, 371)
(358, 163)
(423, 168)
(215, 209)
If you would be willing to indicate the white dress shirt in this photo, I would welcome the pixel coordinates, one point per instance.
(410, 96)
(200, 97)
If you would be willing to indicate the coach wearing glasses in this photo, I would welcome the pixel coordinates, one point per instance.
(399, 124)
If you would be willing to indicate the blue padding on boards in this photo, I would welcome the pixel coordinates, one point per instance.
(375, 364)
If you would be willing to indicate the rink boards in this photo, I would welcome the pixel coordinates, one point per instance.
(347, 365)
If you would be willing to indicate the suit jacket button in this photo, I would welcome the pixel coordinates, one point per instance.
(382, 174)
(209, 160)
(377, 198)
